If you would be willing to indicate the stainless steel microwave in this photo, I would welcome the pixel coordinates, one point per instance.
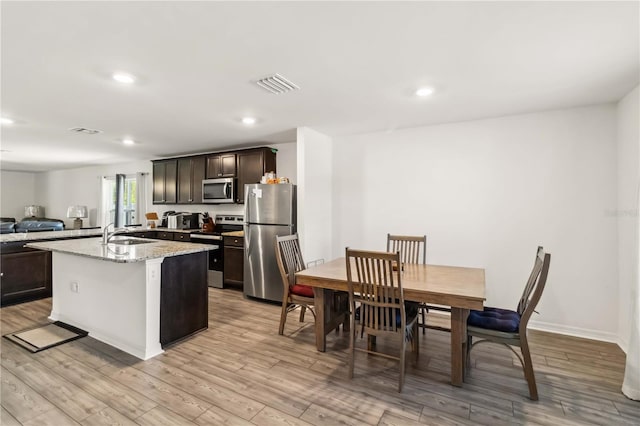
(219, 191)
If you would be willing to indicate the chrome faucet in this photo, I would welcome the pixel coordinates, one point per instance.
(106, 235)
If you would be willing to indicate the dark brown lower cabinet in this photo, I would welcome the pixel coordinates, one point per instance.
(233, 260)
(183, 297)
(164, 235)
(144, 234)
(25, 274)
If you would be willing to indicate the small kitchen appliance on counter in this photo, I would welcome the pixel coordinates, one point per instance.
(190, 221)
(165, 218)
(181, 220)
(173, 220)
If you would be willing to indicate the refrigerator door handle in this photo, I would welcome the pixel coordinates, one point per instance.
(247, 241)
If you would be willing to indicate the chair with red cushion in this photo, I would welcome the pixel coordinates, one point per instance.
(290, 261)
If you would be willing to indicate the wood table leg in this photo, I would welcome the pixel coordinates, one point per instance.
(458, 344)
(319, 305)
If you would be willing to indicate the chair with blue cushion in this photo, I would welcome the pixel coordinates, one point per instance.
(510, 327)
(374, 280)
(290, 261)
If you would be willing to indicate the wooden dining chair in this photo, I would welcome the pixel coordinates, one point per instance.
(290, 261)
(510, 327)
(377, 288)
(413, 249)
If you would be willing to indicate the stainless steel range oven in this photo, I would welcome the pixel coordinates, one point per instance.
(223, 223)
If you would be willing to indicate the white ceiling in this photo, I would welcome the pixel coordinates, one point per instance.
(357, 64)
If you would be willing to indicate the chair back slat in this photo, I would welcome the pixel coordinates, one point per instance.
(531, 281)
(289, 257)
(412, 249)
(377, 287)
(534, 288)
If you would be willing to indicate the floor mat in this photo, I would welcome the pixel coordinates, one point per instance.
(46, 336)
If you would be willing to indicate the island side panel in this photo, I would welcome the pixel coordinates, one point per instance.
(111, 301)
(184, 297)
(153, 291)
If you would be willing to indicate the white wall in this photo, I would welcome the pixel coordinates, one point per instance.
(286, 161)
(17, 190)
(315, 197)
(626, 213)
(487, 193)
(63, 188)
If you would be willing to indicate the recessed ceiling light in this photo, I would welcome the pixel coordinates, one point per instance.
(123, 78)
(5, 120)
(248, 121)
(128, 142)
(424, 91)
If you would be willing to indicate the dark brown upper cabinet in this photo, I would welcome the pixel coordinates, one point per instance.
(164, 181)
(179, 180)
(252, 165)
(191, 172)
(221, 166)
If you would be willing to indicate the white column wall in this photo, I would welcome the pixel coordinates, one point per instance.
(315, 193)
(628, 114)
(487, 193)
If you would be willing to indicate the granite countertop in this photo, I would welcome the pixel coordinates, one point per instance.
(120, 253)
(233, 234)
(77, 233)
(49, 235)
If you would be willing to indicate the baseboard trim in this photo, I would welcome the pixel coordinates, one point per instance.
(576, 332)
(624, 345)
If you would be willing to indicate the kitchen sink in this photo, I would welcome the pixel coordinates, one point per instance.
(130, 241)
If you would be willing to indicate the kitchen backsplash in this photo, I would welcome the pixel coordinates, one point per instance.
(213, 210)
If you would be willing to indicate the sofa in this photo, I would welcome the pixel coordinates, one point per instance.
(30, 224)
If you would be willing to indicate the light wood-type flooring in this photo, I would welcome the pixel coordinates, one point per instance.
(241, 372)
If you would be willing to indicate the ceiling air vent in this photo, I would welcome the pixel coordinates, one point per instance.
(85, 130)
(277, 84)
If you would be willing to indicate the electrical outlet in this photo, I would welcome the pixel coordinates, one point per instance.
(73, 285)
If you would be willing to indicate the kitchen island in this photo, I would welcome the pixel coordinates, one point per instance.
(135, 294)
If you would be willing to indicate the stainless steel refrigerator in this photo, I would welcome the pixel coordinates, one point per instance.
(270, 211)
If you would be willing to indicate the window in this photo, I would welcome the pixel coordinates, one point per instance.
(120, 200)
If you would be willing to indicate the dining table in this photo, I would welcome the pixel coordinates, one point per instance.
(461, 288)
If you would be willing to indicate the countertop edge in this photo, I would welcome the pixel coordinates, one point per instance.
(91, 248)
